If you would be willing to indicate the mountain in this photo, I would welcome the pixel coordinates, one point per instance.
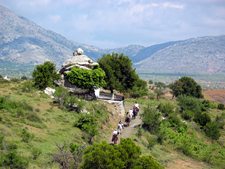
(203, 54)
(24, 42)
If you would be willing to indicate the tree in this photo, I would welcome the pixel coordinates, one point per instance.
(68, 155)
(125, 155)
(176, 88)
(119, 72)
(150, 81)
(160, 85)
(45, 74)
(188, 86)
(23, 78)
(159, 93)
(139, 89)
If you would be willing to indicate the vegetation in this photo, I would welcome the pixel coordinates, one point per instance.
(86, 79)
(120, 75)
(44, 75)
(187, 86)
(31, 122)
(125, 155)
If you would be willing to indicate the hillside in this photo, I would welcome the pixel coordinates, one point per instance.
(33, 125)
(205, 54)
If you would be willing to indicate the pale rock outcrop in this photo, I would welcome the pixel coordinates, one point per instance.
(49, 91)
(6, 78)
(81, 61)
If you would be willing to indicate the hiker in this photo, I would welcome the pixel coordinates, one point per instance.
(136, 104)
(131, 113)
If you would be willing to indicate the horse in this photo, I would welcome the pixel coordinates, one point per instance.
(135, 112)
(127, 120)
(115, 139)
(120, 127)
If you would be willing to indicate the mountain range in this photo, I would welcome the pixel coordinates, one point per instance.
(23, 41)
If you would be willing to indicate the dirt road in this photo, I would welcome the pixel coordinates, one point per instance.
(128, 130)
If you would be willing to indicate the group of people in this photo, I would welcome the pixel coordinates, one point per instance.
(130, 115)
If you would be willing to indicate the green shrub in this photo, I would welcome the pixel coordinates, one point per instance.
(152, 141)
(13, 160)
(187, 115)
(15, 80)
(189, 103)
(36, 152)
(34, 117)
(202, 118)
(174, 120)
(26, 136)
(27, 86)
(86, 79)
(221, 106)
(3, 81)
(211, 130)
(166, 108)
(23, 78)
(151, 118)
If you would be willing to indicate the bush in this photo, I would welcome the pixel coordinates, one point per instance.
(174, 120)
(202, 118)
(151, 118)
(152, 141)
(27, 86)
(166, 108)
(211, 130)
(36, 152)
(23, 78)
(189, 103)
(15, 80)
(26, 136)
(187, 115)
(34, 118)
(86, 79)
(221, 106)
(14, 160)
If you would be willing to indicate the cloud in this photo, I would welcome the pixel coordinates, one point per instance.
(54, 18)
(171, 5)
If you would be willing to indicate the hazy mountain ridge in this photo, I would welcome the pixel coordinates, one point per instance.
(23, 41)
(204, 54)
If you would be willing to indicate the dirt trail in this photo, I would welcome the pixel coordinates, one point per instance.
(128, 130)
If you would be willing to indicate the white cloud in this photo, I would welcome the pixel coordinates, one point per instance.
(170, 5)
(55, 18)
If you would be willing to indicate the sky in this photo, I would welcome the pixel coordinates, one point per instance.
(119, 23)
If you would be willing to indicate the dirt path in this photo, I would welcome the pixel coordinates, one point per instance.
(128, 130)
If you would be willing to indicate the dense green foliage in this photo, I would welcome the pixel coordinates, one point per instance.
(119, 73)
(160, 85)
(125, 155)
(139, 89)
(221, 106)
(151, 118)
(188, 86)
(189, 103)
(211, 130)
(85, 78)
(150, 81)
(44, 75)
(166, 108)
